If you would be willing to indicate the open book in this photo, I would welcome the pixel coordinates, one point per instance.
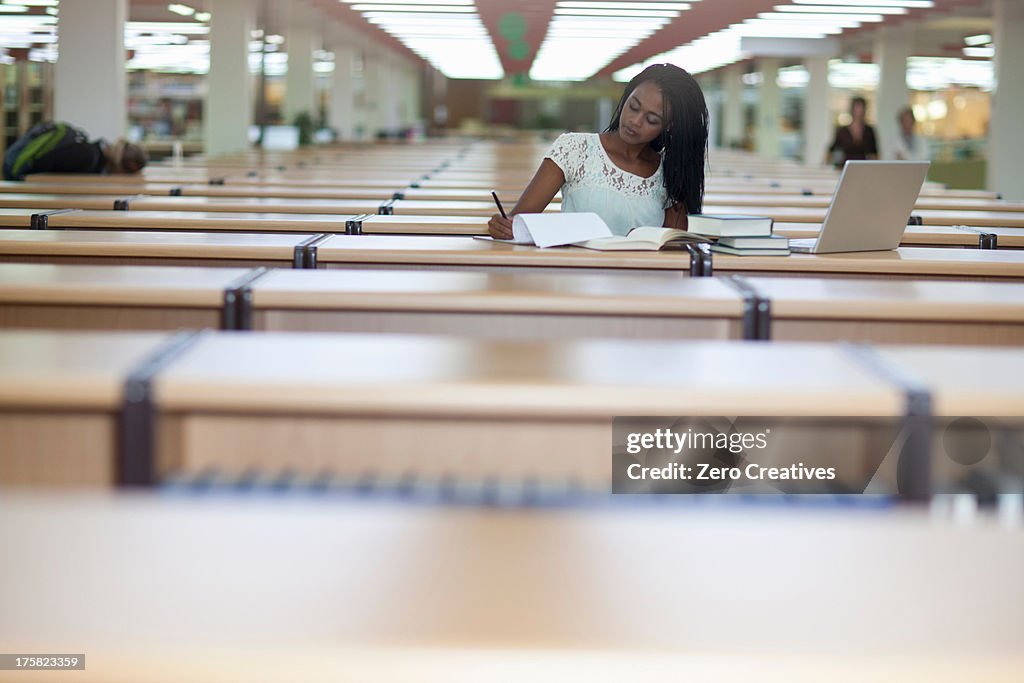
(589, 230)
(643, 239)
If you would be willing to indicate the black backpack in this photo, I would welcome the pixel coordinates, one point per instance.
(41, 139)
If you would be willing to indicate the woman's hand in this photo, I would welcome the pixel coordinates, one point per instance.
(500, 228)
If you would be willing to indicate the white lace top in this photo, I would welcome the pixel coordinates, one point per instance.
(594, 183)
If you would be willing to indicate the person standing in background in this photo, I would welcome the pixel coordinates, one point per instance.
(909, 145)
(855, 141)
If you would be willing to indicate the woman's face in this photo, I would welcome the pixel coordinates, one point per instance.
(857, 111)
(642, 117)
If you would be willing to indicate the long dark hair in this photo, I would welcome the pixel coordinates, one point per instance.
(685, 138)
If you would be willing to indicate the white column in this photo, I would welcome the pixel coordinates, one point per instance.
(90, 90)
(299, 82)
(391, 91)
(372, 109)
(342, 110)
(228, 107)
(817, 118)
(732, 115)
(892, 47)
(1006, 137)
(769, 107)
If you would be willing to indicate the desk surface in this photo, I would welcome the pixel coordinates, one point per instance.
(657, 294)
(69, 369)
(964, 381)
(25, 283)
(454, 251)
(934, 300)
(903, 261)
(411, 375)
(928, 216)
(201, 220)
(369, 591)
(920, 235)
(340, 207)
(59, 201)
(163, 244)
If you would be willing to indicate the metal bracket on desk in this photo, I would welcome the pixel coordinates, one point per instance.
(914, 469)
(124, 204)
(387, 208)
(216, 181)
(915, 220)
(986, 240)
(41, 220)
(175, 192)
(700, 260)
(237, 311)
(757, 309)
(398, 194)
(136, 448)
(806, 193)
(354, 226)
(311, 250)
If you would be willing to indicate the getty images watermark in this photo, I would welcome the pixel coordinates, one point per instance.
(804, 455)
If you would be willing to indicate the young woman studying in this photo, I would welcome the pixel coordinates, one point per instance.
(647, 168)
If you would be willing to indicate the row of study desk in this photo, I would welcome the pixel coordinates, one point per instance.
(322, 250)
(95, 409)
(377, 224)
(518, 305)
(1012, 217)
(514, 184)
(805, 199)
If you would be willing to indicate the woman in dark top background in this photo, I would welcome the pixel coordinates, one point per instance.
(855, 141)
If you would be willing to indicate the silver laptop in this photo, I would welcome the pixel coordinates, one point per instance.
(870, 208)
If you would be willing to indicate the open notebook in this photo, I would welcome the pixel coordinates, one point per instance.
(590, 231)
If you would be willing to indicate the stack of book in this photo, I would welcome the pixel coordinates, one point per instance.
(739, 235)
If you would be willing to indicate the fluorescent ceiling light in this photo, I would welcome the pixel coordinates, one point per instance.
(187, 28)
(448, 34)
(615, 12)
(837, 9)
(980, 39)
(203, 16)
(665, 6)
(183, 10)
(33, 3)
(12, 9)
(911, 4)
(980, 52)
(848, 20)
(383, 9)
(408, 2)
(584, 36)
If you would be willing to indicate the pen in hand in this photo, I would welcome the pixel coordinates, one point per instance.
(498, 202)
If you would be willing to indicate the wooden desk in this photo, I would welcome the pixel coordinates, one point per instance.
(887, 312)
(85, 247)
(479, 408)
(60, 397)
(415, 593)
(16, 218)
(786, 201)
(512, 306)
(964, 384)
(929, 217)
(204, 221)
(467, 253)
(916, 262)
(40, 296)
(58, 201)
(924, 235)
(338, 207)
(422, 225)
